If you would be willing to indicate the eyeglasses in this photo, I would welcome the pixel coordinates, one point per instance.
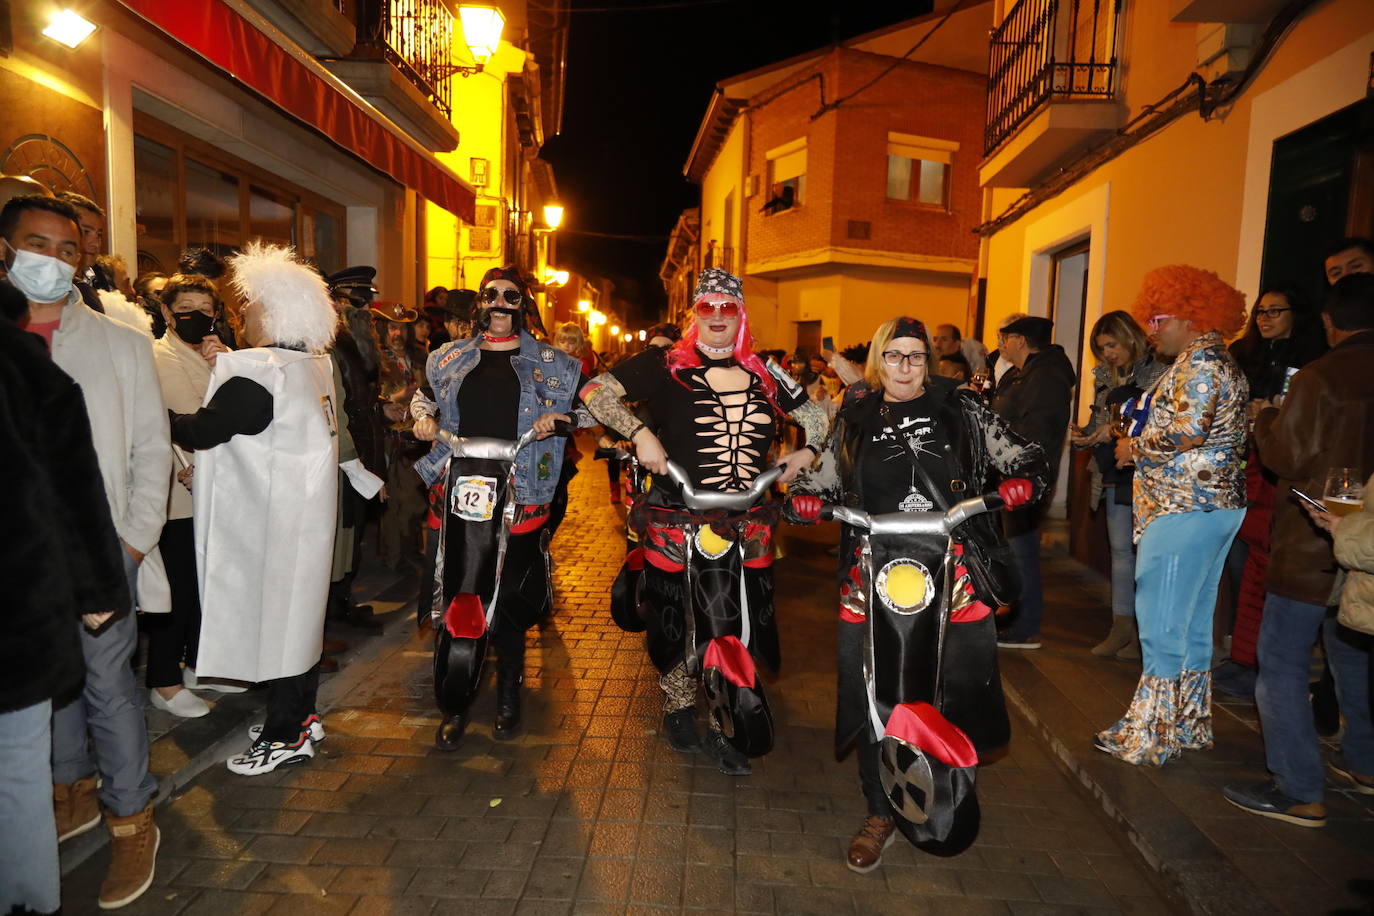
(1158, 321)
(895, 358)
(723, 309)
(492, 293)
(1274, 312)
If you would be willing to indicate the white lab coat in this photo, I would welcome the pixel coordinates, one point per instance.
(264, 518)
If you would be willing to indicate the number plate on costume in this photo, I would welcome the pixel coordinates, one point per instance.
(474, 498)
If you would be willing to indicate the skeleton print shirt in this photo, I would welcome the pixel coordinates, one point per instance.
(714, 420)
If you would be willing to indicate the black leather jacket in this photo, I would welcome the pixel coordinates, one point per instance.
(361, 402)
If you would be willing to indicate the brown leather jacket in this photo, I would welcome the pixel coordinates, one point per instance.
(1327, 420)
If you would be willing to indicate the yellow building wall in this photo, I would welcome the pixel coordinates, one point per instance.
(1182, 195)
(725, 176)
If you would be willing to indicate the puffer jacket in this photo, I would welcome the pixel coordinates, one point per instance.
(1326, 421)
(1354, 545)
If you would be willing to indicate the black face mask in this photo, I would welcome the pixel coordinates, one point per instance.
(193, 326)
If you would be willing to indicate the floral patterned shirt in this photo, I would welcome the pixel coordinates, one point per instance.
(1190, 457)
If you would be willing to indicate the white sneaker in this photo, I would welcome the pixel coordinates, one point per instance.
(266, 756)
(188, 678)
(313, 724)
(183, 703)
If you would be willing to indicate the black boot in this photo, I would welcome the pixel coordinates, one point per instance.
(680, 730)
(509, 679)
(341, 608)
(729, 760)
(450, 732)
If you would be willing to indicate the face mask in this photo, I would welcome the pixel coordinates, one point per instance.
(39, 277)
(193, 326)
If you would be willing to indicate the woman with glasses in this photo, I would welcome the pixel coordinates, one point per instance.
(500, 384)
(1282, 335)
(1126, 367)
(907, 440)
(715, 405)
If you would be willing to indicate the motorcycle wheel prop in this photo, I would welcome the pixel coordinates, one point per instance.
(735, 698)
(928, 767)
(458, 658)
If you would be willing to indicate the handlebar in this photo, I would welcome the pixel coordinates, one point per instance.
(915, 522)
(736, 501)
(495, 449)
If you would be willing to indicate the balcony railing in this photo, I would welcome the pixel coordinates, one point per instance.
(415, 36)
(1048, 49)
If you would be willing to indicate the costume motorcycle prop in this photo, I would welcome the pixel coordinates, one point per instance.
(921, 664)
(627, 591)
(479, 493)
(711, 609)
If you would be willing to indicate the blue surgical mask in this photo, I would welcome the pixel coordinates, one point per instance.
(39, 277)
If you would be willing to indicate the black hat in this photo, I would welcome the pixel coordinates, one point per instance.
(354, 282)
(1035, 329)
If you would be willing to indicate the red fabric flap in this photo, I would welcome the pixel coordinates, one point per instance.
(921, 725)
(729, 655)
(230, 42)
(635, 559)
(464, 618)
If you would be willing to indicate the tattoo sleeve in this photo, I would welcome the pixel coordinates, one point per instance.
(812, 418)
(604, 397)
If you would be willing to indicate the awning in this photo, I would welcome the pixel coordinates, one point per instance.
(227, 40)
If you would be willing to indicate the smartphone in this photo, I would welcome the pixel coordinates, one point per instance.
(1314, 503)
(828, 343)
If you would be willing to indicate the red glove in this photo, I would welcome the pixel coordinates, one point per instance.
(1015, 492)
(807, 508)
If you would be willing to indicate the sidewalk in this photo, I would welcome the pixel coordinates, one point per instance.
(1214, 857)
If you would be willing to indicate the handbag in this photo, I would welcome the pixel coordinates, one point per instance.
(988, 557)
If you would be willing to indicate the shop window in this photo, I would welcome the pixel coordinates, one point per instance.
(189, 194)
(918, 169)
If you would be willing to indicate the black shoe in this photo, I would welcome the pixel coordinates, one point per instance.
(508, 683)
(680, 730)
(728, 758)
(449, 734)
(360, 617)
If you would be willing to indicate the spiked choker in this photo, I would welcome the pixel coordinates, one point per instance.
(507, 339)
(715, 351)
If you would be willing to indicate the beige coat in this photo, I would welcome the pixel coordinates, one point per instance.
(183, 374)
(1354, 542)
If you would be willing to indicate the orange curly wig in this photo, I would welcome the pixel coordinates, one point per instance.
(1191, 293)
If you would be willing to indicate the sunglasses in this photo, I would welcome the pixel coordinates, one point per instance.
(492, 293)
(895, 358)
(1274, 312)
(724, 309)
(1158, 321)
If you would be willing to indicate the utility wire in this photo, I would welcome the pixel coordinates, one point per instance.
(831, 106)
(623, 237)
(648, 7)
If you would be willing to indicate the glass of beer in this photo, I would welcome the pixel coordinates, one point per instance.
(1344, 491)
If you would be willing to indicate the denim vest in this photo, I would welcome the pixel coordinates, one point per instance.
(548, 383)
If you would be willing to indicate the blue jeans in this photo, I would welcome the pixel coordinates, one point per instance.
(1291, 750)
(28, 834)
(1176, 574)
(1030, 607)
(109, 710)
(1119, 523)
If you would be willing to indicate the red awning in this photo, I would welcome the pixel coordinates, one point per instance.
(227, 40)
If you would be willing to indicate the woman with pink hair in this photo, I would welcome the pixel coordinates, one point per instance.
(715, 406)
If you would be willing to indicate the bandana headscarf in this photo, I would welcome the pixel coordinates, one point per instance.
(528, 316)
(715, 280)
(910, 327)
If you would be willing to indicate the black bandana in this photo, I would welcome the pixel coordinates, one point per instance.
(910, 327)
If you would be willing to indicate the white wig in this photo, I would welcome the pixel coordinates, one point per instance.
(297, 310)
(126, 312)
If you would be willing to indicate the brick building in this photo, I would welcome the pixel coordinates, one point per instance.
(843, 184)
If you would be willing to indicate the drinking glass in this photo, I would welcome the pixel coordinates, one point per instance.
(1344, 491)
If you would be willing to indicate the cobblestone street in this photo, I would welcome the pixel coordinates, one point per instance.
(589, 811)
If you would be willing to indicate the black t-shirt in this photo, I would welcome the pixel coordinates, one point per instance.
(720, 437)
(489, 398)
(890, 483)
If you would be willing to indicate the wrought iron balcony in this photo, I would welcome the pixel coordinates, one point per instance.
(1045, 50)
(416, 37)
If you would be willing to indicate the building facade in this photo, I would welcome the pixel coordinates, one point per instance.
(344, 128)
(842, 185)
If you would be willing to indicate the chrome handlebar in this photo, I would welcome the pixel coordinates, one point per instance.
(736, 501)
(916, 522)
(494, 449)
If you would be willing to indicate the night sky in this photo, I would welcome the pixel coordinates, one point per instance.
(640, 73)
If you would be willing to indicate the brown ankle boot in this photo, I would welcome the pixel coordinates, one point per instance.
(133, 855)
(75, 807)
(866, 849)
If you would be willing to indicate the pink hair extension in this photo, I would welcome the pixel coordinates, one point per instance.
(683, 355)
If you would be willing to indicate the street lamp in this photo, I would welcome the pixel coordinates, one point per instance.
(69, 28)
(482, 26)
(596, 317)
(628, 337)
(553, 215)
(615, 330)
(584, 305)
